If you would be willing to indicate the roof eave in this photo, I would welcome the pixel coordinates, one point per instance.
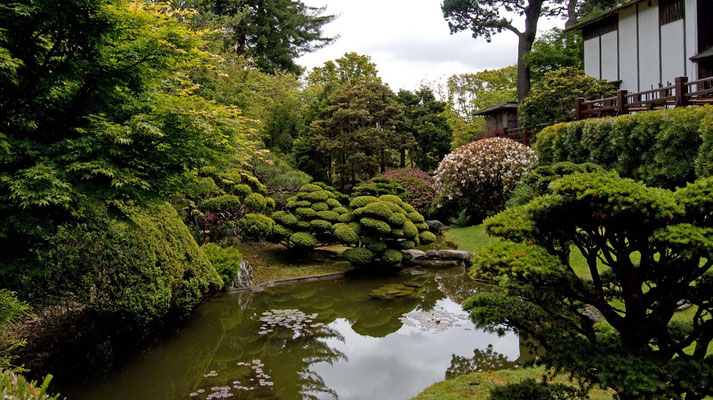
(602, 16)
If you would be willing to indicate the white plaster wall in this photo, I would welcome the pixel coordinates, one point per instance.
(691, 16)
(591, 57)
(628, 68)
(673, 56)
(609, 57)
(649, 45)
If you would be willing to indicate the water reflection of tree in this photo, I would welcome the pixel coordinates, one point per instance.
(482, 360)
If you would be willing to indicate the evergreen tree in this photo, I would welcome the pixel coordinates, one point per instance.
(428, 125)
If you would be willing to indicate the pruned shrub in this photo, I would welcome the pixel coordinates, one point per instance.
(420, 188)
(378, 187)
(536, 182)
(219, 215)
(382, 227)
(309, 217)
(478, 176)
(225, 260)
(665, 148)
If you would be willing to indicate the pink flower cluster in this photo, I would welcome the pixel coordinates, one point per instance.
(420, 187)
(484, 170)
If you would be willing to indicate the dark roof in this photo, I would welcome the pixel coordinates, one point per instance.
(707, 53)
(497, 108)
(605, 14)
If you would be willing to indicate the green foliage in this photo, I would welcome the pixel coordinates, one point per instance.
(98, 106)
(361, 129)
(128, 272)
(378, 187)
(359, 256)
(226, 203)
(255, 226)
(303, 240)
(225, 260)
(384, 228)
(704, 162)
(555, 49)
(536, 182)
(314, 215)
(529, 389)
(552, 97)
(669, 144)
(646, 250)
(280, 177)
(429, 127)
(273, 35)
(15, 387)
(11, 311)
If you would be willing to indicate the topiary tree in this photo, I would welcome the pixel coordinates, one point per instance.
(378, 187)
(552, 97)
(478, 176)
(236, 204)
(420, 188)
(379, 228)
(645, 252)
(309, 217)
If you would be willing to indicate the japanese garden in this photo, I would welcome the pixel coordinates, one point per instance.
(193, 208)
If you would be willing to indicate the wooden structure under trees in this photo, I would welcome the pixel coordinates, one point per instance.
(501, 121)
(682, 93)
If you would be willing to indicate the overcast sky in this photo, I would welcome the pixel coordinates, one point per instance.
(409, 41)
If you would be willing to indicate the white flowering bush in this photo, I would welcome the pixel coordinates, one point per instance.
(480, 174)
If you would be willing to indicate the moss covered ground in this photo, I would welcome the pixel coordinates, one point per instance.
(272, 261)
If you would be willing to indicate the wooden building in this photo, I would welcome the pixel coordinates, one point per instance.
(645, 44)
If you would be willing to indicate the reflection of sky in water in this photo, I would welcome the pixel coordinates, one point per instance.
(364, 352)
(405, 362)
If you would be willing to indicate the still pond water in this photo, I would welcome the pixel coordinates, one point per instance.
(347, 345)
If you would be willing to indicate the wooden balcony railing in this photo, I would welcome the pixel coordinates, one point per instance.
(682, 93)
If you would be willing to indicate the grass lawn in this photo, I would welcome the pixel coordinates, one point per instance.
(272, 261)
(477, 385)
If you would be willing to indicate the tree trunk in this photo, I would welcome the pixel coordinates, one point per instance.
(571, 13)
(527, 38)
(402, 163)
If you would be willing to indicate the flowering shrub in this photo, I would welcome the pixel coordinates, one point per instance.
(420, 187)
(479, 175)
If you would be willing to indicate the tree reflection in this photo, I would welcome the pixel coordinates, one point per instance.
(482, 360)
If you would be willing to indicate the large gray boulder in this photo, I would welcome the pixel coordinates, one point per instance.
(436, 226)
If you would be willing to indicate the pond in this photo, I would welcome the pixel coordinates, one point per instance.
(320, 340)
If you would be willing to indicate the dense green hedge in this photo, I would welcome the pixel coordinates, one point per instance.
(661, 148)
(131, 270)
